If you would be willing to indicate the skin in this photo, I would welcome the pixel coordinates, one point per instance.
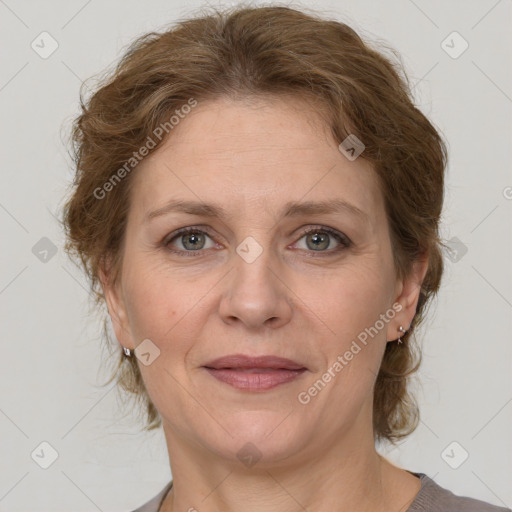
(251, 158)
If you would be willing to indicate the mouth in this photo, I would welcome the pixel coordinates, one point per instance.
(254, 373)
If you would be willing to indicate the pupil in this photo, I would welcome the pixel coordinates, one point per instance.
(193, 240)
(317, 239)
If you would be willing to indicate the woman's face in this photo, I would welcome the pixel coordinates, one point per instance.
(250, 281)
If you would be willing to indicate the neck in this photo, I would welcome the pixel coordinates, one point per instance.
(349, 475)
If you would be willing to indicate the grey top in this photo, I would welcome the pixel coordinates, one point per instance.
(430, 498)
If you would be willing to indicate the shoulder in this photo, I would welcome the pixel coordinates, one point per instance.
(154, 503)
(434, 498)
(431, 498)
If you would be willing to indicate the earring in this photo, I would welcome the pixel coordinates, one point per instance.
(401, 329)
(127, 352)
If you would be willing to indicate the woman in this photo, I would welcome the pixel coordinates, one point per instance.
(257, 201)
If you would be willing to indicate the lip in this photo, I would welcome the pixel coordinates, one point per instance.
(241, 361)
(254, 373)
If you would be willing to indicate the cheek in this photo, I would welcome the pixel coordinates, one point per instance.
(157, 311)
(352, 306)
(166, 308)
(354, 299)
(154, 304)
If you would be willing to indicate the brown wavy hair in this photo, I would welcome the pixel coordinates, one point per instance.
(244, 51)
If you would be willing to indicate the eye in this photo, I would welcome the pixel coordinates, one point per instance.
(318, 239)
(191, 240)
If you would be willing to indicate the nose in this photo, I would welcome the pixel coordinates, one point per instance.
(255, 293)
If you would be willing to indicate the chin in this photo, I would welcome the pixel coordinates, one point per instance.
(259, 438)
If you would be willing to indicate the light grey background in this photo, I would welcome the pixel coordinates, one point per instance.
(49, 368)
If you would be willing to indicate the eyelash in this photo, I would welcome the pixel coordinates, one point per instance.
(345, 243)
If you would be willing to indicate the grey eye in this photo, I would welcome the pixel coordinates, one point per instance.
(318, 240)
(192, 240)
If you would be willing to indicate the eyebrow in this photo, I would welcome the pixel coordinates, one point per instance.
(290, 209)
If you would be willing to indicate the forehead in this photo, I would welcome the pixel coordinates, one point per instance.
(250, 153)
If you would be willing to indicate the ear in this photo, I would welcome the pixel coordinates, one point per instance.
(407, 295)
(115, 304)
